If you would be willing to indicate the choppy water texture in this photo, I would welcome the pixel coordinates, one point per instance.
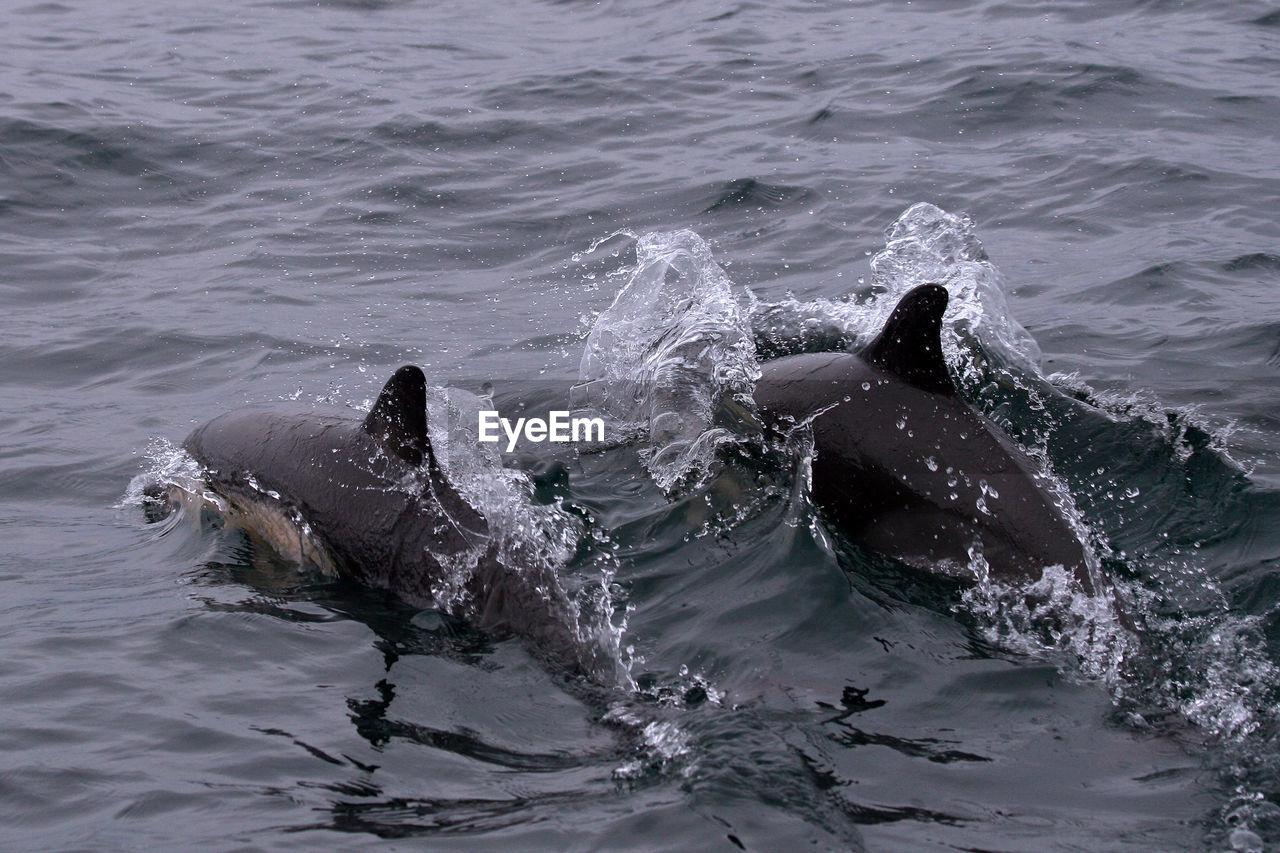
(206, 205)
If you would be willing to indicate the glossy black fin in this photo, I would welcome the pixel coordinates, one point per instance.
(399, 419)
(910, 345)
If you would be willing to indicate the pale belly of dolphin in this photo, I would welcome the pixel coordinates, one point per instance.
(265, 521)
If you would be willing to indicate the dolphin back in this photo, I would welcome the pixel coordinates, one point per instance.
(370, 495)
(369, 490)
(906, 466)
(385, 520)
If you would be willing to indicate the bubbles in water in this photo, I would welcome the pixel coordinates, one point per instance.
(660, 743)
(1052, 616)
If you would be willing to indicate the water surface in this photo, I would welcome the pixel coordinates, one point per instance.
(203, 206)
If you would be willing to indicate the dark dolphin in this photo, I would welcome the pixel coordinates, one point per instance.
(909, 469)
(368, 500)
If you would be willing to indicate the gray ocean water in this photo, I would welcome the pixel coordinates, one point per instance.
(209, 205)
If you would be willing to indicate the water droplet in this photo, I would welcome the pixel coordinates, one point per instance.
(866, 386)
(931, 463)
(902, 424)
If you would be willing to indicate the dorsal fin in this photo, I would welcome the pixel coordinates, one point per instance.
(910, 345)
(399, 419)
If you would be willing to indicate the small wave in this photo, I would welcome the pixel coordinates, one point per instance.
(1183, 429)
(79, 163)
(662, 745)
(1270, 19)
(167, 464)
(1253, 261)
(749, 192)
(1049, 617)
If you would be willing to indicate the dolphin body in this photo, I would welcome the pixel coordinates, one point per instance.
(367, 500)
(909, 469)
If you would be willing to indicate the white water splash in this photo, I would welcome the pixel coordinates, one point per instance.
(526, 536)
(1052, 617)
(659, 361)
(924, 245)
(1179, 426)
(661, 744)
(167, 464)
(927, 244)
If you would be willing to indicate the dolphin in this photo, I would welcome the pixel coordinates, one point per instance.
(367, 500)
(909, 469)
